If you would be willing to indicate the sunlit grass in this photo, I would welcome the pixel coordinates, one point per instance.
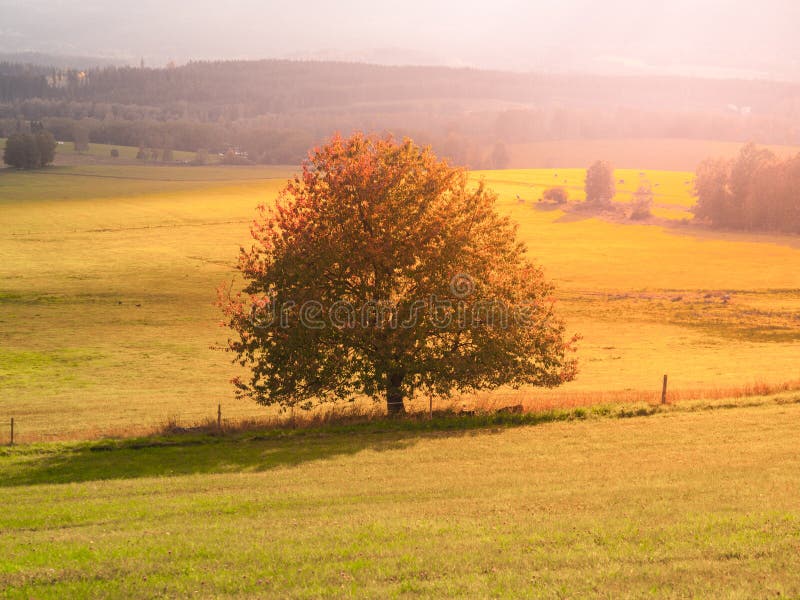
(670, 189)
(679, 504)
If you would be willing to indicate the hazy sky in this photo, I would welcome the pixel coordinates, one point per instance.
(711, 36)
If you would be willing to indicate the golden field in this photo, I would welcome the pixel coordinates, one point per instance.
(108, 279)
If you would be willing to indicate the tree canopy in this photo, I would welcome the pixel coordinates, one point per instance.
(600, 185)
(754, 191)
(380, 271)
(30, 150)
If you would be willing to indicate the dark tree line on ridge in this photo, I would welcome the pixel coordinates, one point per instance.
(274, 110)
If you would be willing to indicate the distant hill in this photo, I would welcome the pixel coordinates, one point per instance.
(61, 61)
(272, 111)
(266, 86)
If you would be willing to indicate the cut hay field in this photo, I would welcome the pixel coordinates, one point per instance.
(108, 276)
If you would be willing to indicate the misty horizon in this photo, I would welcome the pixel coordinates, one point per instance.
(621, 37)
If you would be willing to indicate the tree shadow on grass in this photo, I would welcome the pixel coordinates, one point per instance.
(190, 455)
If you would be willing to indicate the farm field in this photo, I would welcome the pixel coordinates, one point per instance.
(678, 504)
(101, 154)
(672, 190)
(109, 273)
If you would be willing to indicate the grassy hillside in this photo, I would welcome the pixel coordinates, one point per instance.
(109, 274)
(101, 154)
(680, 504)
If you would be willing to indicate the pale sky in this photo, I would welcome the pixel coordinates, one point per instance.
(566, 35)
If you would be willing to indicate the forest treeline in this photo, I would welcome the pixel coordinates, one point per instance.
(274, 110)
(756, 191)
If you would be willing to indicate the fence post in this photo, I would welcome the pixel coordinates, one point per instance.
(664, 391)
(219, 417)
(12, 432)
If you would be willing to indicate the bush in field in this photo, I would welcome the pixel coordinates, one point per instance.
(641, 207)
(381, 270)
(600, 186)
(556, 195)
(80, 138)
(141, 154)
(114, 153)
(46, 144)
(21, 151)
(30, 150)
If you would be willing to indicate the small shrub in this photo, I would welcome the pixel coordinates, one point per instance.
(114, 153)
(642, 202)
(556, 195)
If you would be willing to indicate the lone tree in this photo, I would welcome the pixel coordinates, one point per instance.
(21, 151)
(600, 186)
(381, 271)
(30, 150)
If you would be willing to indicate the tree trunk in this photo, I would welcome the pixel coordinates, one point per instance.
(394, 395)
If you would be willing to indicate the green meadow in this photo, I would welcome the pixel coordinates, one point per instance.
(686, 502)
